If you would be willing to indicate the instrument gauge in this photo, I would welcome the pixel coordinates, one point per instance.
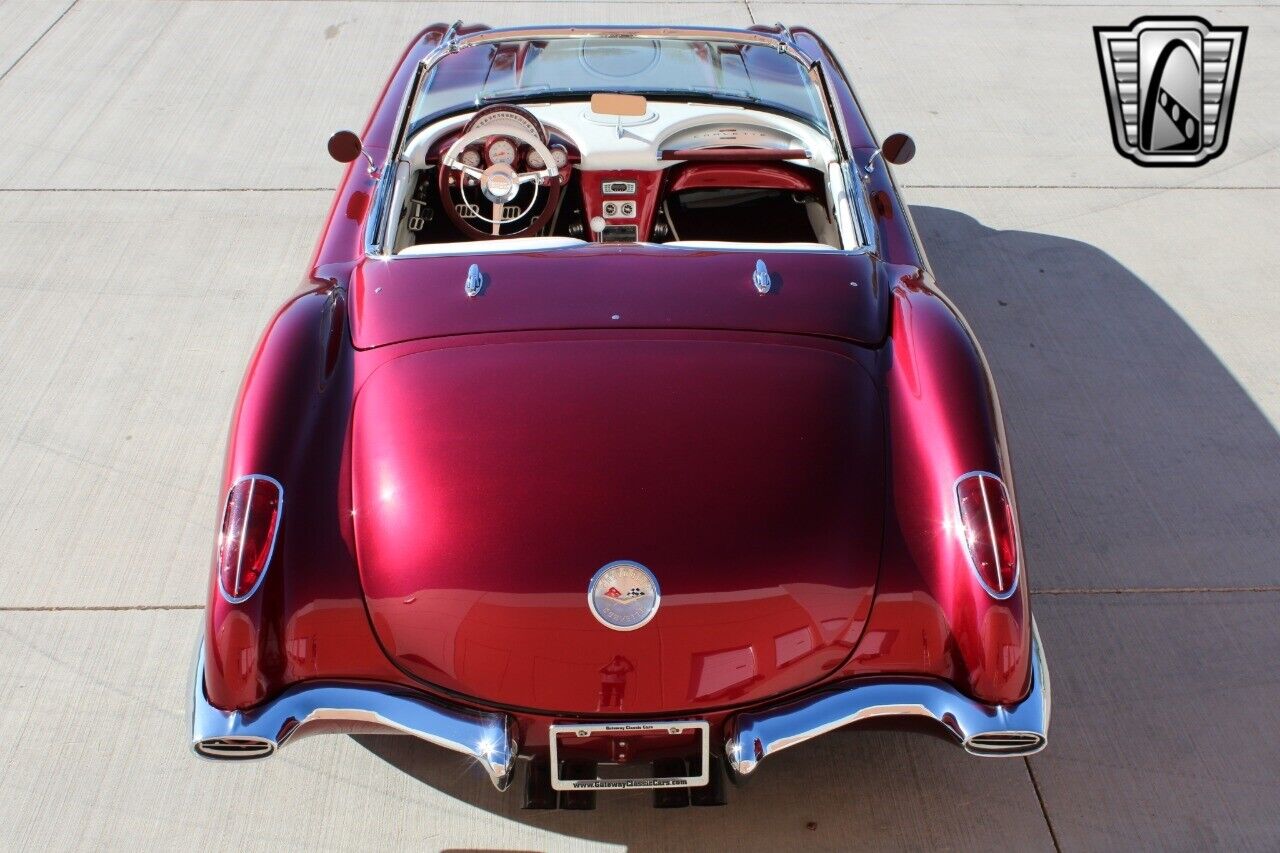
(470, 157)
(500, 150)
(560, 156)
(534, 160)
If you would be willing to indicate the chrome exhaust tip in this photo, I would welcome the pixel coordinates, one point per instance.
(1005, 743)
(234, 748)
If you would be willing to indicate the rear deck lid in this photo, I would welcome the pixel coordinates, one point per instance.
(491, 482)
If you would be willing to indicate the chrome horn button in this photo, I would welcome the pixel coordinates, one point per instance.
(498, 183)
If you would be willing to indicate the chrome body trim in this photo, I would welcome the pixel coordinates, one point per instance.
(987, 730)
(339, 708)
(271, 552)
(866, 221)
(373, 224)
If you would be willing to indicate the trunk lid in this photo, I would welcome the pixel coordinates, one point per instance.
(491, 482)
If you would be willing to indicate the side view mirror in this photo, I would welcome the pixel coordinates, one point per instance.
(897, 148)
(345, 146)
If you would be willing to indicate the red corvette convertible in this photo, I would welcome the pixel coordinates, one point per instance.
(619, 433)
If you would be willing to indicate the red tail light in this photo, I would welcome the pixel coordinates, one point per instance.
(986, 525)
(249, 524)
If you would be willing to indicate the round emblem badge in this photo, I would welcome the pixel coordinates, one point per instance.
(623, 595)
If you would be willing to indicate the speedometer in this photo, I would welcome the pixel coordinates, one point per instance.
(500, 150)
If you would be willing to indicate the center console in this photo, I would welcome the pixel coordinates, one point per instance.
(620, 205)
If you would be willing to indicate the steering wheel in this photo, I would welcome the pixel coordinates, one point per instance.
(499, 183)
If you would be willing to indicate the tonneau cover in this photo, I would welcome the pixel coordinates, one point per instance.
(827, 293)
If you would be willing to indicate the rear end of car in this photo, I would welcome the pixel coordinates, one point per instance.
(630, 537)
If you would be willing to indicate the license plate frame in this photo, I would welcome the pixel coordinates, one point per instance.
(674, 727)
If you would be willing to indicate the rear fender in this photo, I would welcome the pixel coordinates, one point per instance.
(291, 423)
(931, 612)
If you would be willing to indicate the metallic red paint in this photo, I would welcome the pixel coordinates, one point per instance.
(944, 422)
(490, 482)
(505, 360)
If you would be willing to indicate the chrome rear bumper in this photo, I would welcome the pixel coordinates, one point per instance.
(988, 730)
(344, 708)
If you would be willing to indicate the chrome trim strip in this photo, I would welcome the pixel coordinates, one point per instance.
(753, 736)
(489, 738)
(373, 228)
(866, 222)
(271, 552)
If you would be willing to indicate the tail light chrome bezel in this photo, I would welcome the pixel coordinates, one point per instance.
(271, 548)
(965, 546)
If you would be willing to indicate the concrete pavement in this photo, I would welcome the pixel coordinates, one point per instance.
(163, 176)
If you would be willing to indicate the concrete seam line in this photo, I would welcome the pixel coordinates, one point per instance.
(1081, 187)
(1040, 799)
(926, 3)
(166, 190)
(96, 608)
(39, 38)
(1156, 590)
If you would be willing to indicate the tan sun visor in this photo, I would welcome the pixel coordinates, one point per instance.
(613, 104)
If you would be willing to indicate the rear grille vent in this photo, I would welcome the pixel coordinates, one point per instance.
(235, 748)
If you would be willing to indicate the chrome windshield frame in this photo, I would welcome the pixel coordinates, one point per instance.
(452, 42)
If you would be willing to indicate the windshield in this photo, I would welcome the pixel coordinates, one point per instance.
(530, 70)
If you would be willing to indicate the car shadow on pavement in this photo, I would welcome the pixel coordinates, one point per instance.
(1140, 463)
